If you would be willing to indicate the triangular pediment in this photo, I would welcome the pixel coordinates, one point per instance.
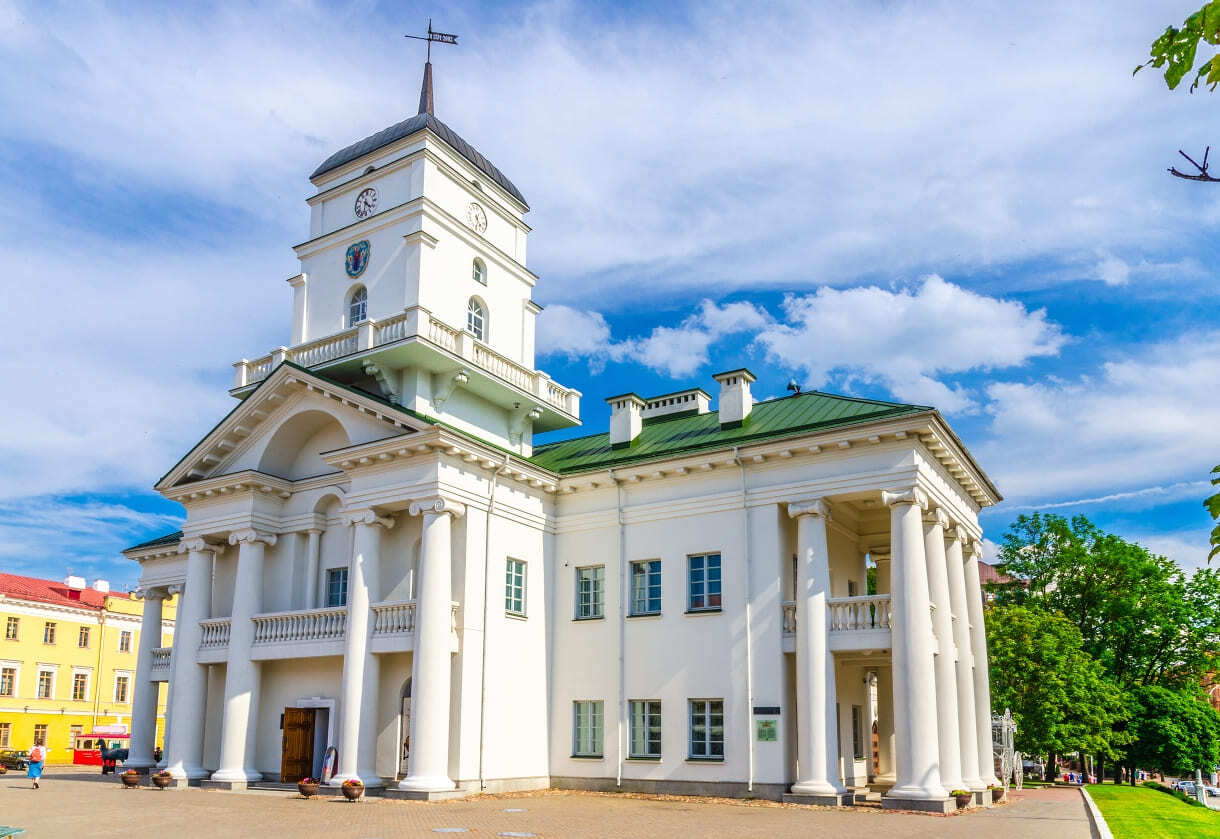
(296, 405)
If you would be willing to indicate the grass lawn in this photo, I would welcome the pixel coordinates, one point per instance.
(1142, 813)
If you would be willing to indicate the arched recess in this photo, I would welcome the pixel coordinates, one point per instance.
(295, 450)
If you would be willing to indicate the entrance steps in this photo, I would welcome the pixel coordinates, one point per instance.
(323, 790)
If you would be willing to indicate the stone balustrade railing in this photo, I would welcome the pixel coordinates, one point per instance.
(303, 625)
(394, 618)
(417, 322)
(847, 614)
(161, 657)
(214, 633)
(789, 617)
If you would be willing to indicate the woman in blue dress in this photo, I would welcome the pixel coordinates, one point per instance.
(38, 757)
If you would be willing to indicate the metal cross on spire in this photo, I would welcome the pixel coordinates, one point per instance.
(425, 92)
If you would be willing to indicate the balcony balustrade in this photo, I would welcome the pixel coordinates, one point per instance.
(159, 671)
(855, 623)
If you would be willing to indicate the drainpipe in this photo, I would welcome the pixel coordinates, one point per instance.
(97, 683)
(745, 528)
(491, 500)
(622, 625)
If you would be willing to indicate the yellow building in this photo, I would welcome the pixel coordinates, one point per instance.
(68, 656)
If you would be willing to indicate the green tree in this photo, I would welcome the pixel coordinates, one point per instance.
(1059, 695)
(1174, 731)
(1212, 503)
(1176, 50)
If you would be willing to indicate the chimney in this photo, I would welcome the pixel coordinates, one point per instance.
(101, 585)
(625, 419)
(735, 400)
(73, 581)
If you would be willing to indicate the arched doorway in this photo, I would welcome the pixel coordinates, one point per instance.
(404, 728)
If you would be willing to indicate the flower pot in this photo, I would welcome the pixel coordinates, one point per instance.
(997, 793)
(963, 801)
(3, 770)
(130, 781)
(161, 781)
(307, 790)
(351, 793)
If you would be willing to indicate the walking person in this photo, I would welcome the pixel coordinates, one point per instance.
(38, 757)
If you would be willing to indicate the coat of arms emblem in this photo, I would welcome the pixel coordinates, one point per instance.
(357, 258)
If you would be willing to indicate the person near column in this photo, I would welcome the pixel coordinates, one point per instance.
(144, 693)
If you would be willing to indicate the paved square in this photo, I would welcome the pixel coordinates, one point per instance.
(78, 805)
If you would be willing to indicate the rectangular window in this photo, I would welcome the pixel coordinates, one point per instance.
(336, 587)
(8, 681)
(6, 735)
(46, 684)
(121, 685)
(125, 641)
(74, 732)
(590, 592)
(40, 735)
(646, 587)
(645, 725)
(857, 732)
(82, 638)
(80, 686)
(703, 582)
(587, 729)
(10, 629)
(707, 729)
(48, 632)
(852, 588)
(514, 587)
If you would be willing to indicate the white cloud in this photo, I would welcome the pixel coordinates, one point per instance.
(906, 339)
(1188, 548)
(1113, 271)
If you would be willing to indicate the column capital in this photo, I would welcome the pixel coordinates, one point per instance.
(912, 495)
(198, 544)
(250, 535)
(153, 593)
(936, 516)
(367, 516)
(314, 531)
(809, 507)
(176, 588)
(437, 504)
(975, 550)
(957, 534)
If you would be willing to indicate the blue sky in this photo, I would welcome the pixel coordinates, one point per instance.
(962, 205)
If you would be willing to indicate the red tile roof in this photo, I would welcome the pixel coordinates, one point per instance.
(990, 574)
(49, 591)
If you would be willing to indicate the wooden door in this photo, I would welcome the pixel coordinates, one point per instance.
(296, 746)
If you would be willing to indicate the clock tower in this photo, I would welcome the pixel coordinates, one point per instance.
(414, 285)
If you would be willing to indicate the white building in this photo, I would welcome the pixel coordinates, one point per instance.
(377, 557)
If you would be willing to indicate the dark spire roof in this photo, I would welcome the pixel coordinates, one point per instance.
(424, 119)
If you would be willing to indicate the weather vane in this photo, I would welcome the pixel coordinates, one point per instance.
(438, 37)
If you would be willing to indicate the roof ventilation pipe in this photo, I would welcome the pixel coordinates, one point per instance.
(73, 581)
(735, 399)
(626, 419)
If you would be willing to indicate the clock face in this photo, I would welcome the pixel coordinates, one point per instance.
(366, 202)
(476, 218)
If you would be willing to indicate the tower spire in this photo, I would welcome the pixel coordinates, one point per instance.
(426, 103)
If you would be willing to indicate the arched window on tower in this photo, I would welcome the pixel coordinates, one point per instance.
(479, 272)
(357, 306)
(476, 319)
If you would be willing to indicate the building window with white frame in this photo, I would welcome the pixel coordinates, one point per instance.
(514, 587)
(590, 592)
(46, 684)
(125, 641)
(644, 722)
(80, 685)
(8, 681)
(707, 729)
(476, 319)
(857, 732)
(48, 632)
(703, 583)
(587, 728)
(40, 735)
(10, 629)
(82, 637)
(336, 587)
(646, 587)
(6, 735)
(478, 271)
(357, 306)
(122, 688)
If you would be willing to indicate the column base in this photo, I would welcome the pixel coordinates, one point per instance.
(426, 783)
(944, 805)
(371, 780)
(240, 775)
(141, 765)
(821, 799)
(428, 795)
(189, 773)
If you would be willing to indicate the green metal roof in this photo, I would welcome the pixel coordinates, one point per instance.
(167, 539)
(666, 436)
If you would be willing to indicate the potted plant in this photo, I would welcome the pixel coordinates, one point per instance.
(997, 792)
(352, 788)
(161, 779)
(130, 778)
(3, 769)
(307, 787)
(964, 797)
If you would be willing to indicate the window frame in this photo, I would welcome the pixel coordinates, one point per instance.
(352, 321)
(53, 673)
(705, 718)
(857, 732)
(634, 725)
(14, 666)
(596, 709)
(126, 639)
(478, 271)
(337, 572)
(48, 632)
(705, 582)
(80, 676)
(6, 735)
(12, 628)
(480, 334)
(124, 677)
(515, 587)
(649, 571)
(82, 638)
(45, 735)
(597, 603)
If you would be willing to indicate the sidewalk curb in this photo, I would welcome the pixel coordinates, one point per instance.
(1097, 822)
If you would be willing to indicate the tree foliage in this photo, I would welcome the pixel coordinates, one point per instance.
(1175, 731)
(1176, 50)
(1212, 503)
(1059, 695)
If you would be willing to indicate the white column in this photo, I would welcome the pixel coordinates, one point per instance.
(916, 758)
(188, 679)
(882, 561)
(982, 683)
(242, 676)
(144, 691)
(817, 746)
(358, 703)
(428, 764)
(313, 553)
(948, 739)
(964, 672)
